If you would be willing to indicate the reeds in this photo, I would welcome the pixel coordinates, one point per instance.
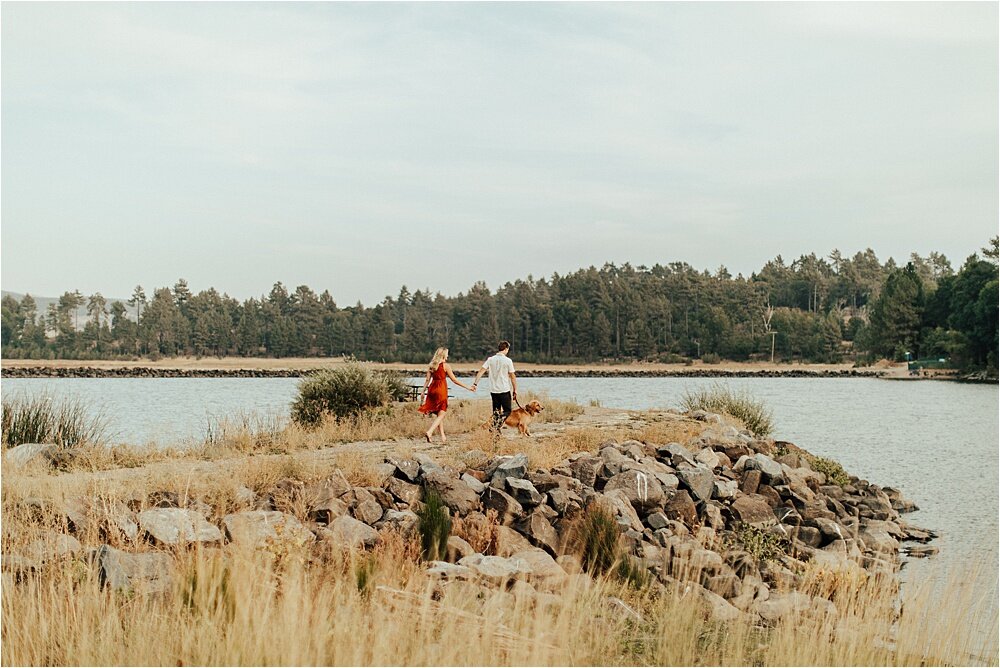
(740, 404)
(42, 418)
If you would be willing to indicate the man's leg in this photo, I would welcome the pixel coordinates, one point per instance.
(501, 409)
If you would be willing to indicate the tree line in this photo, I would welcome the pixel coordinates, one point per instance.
(816, 309)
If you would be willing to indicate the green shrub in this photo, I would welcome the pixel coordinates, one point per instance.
(753, 413)
(834, 472)
(43, 419)
(346, 391)
(711, 358)
(763, 546)
(434, 526)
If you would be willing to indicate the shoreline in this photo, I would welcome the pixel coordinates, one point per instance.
(188, 367)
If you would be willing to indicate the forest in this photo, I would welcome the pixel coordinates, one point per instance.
(813, 309)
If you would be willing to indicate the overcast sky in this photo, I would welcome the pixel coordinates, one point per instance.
(360, 147)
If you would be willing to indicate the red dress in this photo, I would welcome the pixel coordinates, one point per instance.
(437, 394)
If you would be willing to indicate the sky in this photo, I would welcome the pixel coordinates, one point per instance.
(357, 148)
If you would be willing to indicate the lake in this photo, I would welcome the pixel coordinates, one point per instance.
(936, 441)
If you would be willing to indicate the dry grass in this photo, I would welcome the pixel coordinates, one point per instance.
(231, 607)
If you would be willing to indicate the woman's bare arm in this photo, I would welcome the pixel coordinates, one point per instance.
(450, 374)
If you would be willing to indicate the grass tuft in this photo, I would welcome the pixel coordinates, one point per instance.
(434, 526)
(41, 418)
(739, 404)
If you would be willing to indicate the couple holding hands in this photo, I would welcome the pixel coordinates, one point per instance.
(503, 387)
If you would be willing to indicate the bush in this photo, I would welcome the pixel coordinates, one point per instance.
(754, 415)
(711, 358)
(434, 526)
(763, 546)
(42, 419)
(343, 392)
(834, 472)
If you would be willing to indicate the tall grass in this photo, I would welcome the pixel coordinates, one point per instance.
(67, 422)
(739, 404)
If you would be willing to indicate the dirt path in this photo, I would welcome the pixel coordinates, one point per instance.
(191, 469)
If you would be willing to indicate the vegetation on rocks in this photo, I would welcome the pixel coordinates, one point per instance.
(42, 418)
(739, 404)
(344, 392)
(832, 469)
(434, 526)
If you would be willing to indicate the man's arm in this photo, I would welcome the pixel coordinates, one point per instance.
(479, 374)
(513, 384)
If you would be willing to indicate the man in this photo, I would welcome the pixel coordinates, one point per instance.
(503, 383)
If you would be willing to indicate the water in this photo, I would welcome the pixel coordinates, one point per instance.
(936, 441)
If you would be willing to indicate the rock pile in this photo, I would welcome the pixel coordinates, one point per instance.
(730, 517)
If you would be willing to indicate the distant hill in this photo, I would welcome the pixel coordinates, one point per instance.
(81, 313)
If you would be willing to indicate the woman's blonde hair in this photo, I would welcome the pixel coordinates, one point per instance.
(439, 356)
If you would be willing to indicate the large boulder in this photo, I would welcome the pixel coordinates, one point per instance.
(698, 479)
(176, 526)
(540, 532)
(619, 505)
(524, 491)
(51, 546)
(258, 528)
(406, 469)
(147, 572)
(514, 466)
(510, 542)
(681, 507)
(585, 469)
(406, 492)
(753, 510)
(506, 506)
(643, 491)
(454, 493)
(22, 455)
(543, 567)
(498, 570)
(403, 521)
(347, 532)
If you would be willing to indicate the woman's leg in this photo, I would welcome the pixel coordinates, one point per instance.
(438, 419)
(444, 439)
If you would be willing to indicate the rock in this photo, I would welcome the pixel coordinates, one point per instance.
(328, 510)
(751, 481)
(633, 448)
(719, 608)
(347, 532)
(407, 493)
(457, 548)
(505, 505)
(515, 466)
(675, 453)
(711, 515)
(175, 526)
(403, 521)
(753, 510)
(619, 505)
(724, 489)
(570, 563)
(543, 567)
(830, 530)
(454, 493)
(523, 491)
(643, 491)
(259, 528)
(562, 500)
(474, 483)
(446, 571)
(876, 537)
(52, 546)
(707, 457)
(19, 565)
(771, 470)
(368, 511)
(20, 456)
(497, 570)
(427, 464)
(384, 471)
(920, 550)
(323, 498)
(245, 496)
(585, 470)
(147, 572)
(540, 532)
(769, 493)
(681, 507)
(780, 605)
(698, 479)
(510, 542)
(406, 469)
(657, 521)
(810, 536)
(545, 482)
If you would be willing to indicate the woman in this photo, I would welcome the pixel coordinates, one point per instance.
(436, 402)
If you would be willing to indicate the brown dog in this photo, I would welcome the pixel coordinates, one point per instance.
(521, 417)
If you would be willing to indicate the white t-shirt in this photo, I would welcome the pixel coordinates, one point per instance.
(499, 366)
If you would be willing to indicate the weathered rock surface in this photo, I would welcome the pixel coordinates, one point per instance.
(258, 528)
(175, 526)
(147, 572)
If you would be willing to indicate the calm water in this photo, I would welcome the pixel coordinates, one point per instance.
(936, 441)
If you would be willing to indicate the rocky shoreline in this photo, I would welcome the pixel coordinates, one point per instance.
(151, 372)
(735, 520)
